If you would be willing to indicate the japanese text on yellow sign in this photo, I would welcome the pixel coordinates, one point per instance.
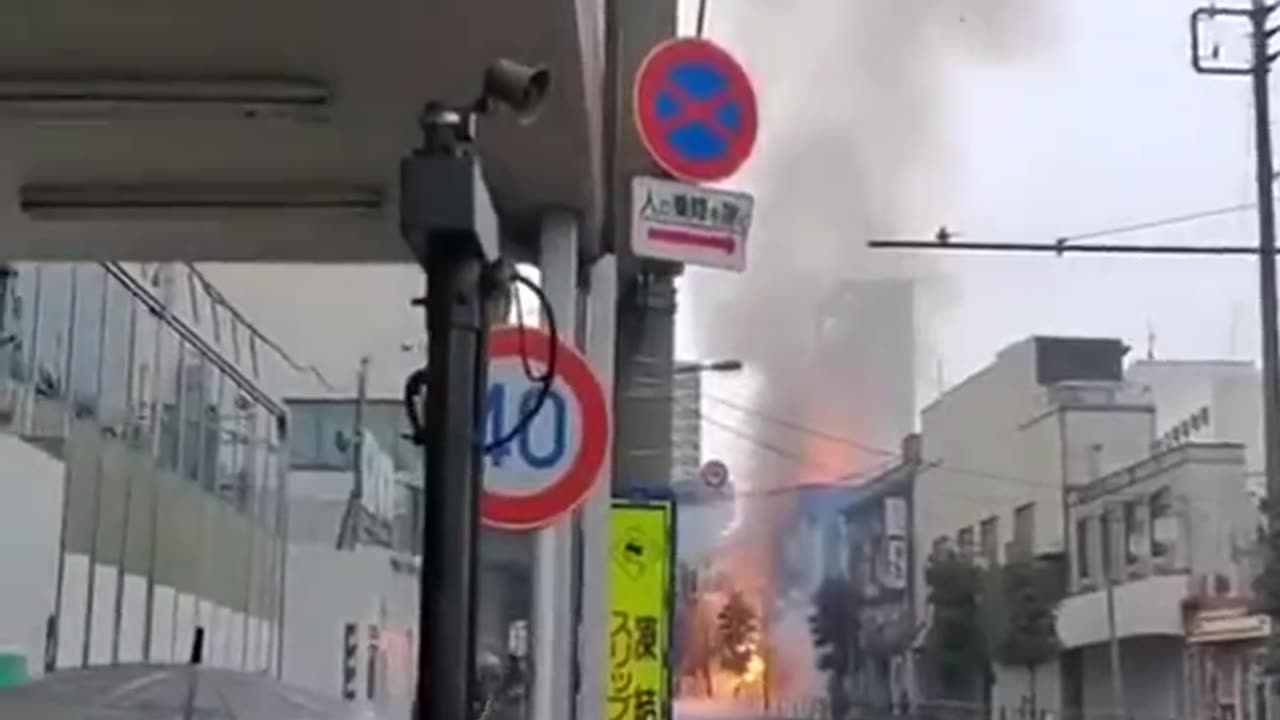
(639, 587)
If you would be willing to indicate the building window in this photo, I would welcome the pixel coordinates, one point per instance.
(1162, 525)
(1083, 569)
(1024, 530)
(989, 540)
(1105, 534)
(54, 328)
(964, 539)
(1135, 532)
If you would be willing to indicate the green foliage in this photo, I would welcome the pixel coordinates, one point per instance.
(834, 628)
(736, 628)
(956, 645)
(834, 625)
(1023, 609)
(1266, 587)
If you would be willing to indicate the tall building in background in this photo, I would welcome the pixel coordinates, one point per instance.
(866, 353)
(686, 423)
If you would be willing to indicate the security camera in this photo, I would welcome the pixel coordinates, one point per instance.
(520, 87)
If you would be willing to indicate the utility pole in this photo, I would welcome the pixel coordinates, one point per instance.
(357, 452)
(351, 526)
(1113, 639)
(1259, 70)
(449, 223)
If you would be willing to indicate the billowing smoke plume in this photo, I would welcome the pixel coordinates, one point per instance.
(854, 145)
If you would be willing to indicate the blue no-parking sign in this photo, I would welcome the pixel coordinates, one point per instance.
(695, 110)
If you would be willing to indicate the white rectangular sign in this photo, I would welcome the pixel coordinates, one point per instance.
(687, 223)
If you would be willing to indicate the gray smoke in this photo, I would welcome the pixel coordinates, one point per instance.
(854, 145)
(854, 101)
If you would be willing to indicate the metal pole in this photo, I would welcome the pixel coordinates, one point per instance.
(593, 656)
(455, 382)
(1266, 247)
(702, 17)
(1113, 640)
(356, 510)
(552, 628)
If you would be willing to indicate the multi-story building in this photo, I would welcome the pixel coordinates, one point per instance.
(143, 465)
(1169, 539)
(370, 583)
(1000, 451)
(878, 532)
(686, 423)
(1205, 401)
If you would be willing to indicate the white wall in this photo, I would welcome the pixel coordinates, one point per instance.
(31, 485)
(327, 588)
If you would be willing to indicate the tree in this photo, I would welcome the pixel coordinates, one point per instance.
(956, 646)
(834, 627)
(737, 629)
(1266, 587)
(1024, 611)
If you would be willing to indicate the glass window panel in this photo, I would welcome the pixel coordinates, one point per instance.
(53, 333)
(117, 345)
(198, 388)
(237, 341)
(193, 299)
(143, 385)
(168, 399)
(86, 345)
(337, 423)
(17, 320)
(304, 434)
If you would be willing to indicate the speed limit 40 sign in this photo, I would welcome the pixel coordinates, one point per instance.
(549, 467)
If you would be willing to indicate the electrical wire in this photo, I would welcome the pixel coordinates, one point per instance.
(853, 477)
(547, 378)
(416, 382)
(840, 439)
(1064, 241)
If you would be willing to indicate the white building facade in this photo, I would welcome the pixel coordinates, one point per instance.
(999, 452)
(1169, 538)
(143, 468)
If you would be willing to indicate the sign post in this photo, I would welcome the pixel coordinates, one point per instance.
(695, 110)
(551, 466)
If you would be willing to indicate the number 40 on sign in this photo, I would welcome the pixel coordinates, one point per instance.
(551, 465)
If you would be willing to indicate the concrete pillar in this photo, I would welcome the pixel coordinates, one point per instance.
(552, 626)
(593, 622)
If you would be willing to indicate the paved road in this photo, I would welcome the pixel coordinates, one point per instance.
(155, 692)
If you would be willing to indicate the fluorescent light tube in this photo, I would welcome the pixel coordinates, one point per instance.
(172, 201)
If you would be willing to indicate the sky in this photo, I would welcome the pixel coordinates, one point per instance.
(1077, 116)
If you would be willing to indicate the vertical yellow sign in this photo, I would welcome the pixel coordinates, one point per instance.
(639, 611)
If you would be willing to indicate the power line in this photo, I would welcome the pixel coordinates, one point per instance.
(766, 445)
(1062, 243)
(831, 437)
(851, 478)
(798, 427)
(1157, 223)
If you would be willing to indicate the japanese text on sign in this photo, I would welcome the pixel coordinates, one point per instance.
(731, 213)
(639, 584)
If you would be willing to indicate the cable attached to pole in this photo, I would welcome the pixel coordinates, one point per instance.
(508, 280)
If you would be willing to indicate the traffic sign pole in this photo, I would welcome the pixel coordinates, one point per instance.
(552, 626)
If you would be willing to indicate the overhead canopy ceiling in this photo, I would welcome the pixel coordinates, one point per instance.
(305, 105)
